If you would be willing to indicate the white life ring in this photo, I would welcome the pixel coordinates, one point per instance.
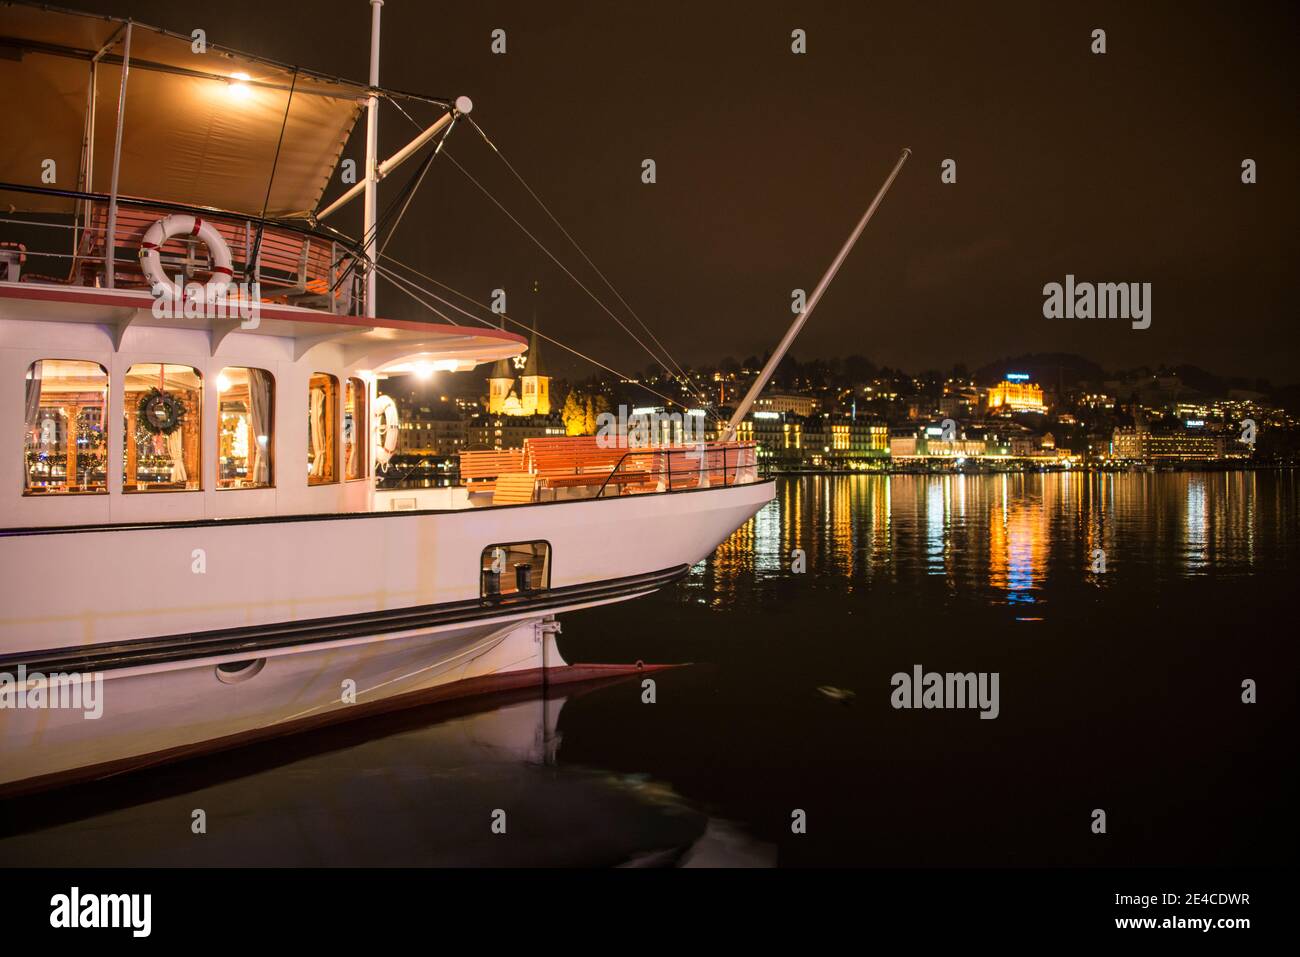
(178, 225)
(385, 428)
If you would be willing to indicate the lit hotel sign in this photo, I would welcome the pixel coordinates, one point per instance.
(1195, 423)
(1017, 376)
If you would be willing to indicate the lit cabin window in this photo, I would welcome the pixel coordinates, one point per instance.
(65, 448)
(322, 429)
(515, 568)
(164, 409)
(354, 429)
(245, 423)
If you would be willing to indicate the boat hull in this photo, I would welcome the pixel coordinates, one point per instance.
(164, 695)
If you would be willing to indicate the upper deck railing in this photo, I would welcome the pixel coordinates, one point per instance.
(292, 263)
(588, 467)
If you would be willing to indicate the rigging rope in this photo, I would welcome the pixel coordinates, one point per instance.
(401, 282)
(408, 193)
(681, 373)
(594, 298)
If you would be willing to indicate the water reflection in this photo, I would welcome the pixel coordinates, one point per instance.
(1003, 536)
(417, 788)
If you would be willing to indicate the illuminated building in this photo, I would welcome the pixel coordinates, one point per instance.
(1193, 443)
(1016, 393)
(534, 393)
(789, 402)
(818, 441)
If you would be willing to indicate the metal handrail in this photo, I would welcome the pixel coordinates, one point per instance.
(297, 226)
(341, 247)
(669, 471)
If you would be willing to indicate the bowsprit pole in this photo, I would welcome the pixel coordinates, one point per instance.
(743, 409)
(372, 162)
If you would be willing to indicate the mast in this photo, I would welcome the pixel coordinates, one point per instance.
(763, 377)
(372, 159)
(110, 235)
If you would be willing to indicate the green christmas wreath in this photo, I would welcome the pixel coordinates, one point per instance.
(161, 413)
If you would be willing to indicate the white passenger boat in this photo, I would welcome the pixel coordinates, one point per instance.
(191, 515)
(193, 547)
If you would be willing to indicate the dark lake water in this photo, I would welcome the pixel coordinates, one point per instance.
(1119, 689)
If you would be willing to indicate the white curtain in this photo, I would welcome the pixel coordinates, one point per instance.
(32, 412)
(352, 432)
(259, 407)
(176, 450)
(317, 421)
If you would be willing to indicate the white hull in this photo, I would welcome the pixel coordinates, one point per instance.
(149, 714)
(173, 703)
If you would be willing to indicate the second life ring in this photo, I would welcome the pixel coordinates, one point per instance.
(179, 224)
(386, 428)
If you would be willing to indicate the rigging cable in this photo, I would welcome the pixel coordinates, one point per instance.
(681, 373)
(398, 281)
(594, 298)
(403, 283)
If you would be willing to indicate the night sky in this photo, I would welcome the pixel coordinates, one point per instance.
(1122, 167)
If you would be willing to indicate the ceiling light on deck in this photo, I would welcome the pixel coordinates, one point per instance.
(239, 88)
(424, 371)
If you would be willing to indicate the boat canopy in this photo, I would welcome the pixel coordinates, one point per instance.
(203, 129)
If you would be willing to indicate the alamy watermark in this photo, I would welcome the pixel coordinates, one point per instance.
(1101, 300)
(640, 428)
(75, 909)
(240, 301)
(75, 691)
(930, 689)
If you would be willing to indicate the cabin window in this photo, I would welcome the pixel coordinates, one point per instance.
(354, 430)
(245, 428)
(163, 414)
(322, 429)
(65, 447)
(515, 568)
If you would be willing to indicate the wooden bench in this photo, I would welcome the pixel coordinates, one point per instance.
(565, 462)
(514, 488)
(573, 461)
(479, 469)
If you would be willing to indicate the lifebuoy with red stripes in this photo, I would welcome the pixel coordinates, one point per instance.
(179, 224)
(385, 428)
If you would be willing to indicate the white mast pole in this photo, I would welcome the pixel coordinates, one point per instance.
(110, 234)
(763, 377)
(462, 106)
(372, 159)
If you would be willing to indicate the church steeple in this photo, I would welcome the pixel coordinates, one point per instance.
(500, 384)
(535, 388)
(534, 396)
(533, 365)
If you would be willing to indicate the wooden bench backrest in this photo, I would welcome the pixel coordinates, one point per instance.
(285, 258)
(489, 463)
(569, 454)
(514, 488)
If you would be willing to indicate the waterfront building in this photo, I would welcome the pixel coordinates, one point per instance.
(787, 402)
(509, 431)
(430, 431)
(1194, 443)
(1014, 394)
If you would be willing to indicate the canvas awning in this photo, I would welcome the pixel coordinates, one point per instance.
(193, 132)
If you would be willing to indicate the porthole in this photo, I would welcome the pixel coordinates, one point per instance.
(233, 672)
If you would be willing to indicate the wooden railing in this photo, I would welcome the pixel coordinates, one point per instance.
(578, 463)
(293, 263)
(290, 267)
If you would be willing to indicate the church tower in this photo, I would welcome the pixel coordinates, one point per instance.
(535, 394)
(500, 383)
